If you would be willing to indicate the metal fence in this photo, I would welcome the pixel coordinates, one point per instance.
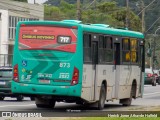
(6, 60)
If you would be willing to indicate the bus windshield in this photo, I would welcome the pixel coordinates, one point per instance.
(47, 38)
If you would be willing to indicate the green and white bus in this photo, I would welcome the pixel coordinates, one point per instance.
(67, 61)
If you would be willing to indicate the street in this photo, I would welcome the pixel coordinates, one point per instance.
(150, 100)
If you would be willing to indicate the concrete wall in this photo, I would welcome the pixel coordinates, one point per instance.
(4, 32)
(23, 9)
(16, 9)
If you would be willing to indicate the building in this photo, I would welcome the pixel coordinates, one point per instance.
(11, 12)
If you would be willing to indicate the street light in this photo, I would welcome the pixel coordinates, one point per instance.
(154, 48)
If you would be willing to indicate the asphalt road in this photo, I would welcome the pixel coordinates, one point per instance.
(150, 99)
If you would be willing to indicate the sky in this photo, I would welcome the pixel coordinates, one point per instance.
(37, 1)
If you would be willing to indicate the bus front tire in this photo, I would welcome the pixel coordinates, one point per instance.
(128, 101)
(102, 97)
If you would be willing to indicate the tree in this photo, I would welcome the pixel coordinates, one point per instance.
(63, 11)
(104, 13)
(110, 13)
(21, 0)
(52, 13)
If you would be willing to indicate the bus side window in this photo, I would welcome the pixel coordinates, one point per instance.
(108, 49)
(126, 55)
(87, 47)
(134, 50)
(101, 49)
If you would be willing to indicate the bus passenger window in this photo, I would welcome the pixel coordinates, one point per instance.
(87, 47)
(101, 49)
(126, 55)
(134, 50)
(108, 49)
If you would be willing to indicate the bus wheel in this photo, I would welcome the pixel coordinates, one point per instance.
(128, 101)
(51, 104)
(32, 98)
(102, 98)
(19, 98)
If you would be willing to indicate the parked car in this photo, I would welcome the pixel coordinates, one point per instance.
(150, 78)
(157, 74)
(5, 84)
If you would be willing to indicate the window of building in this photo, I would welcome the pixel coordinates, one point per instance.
(13, 20)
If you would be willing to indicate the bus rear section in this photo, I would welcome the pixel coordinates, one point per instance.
(47, 63)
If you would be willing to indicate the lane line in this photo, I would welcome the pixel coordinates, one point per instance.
(22, 105)
(17, 105)
(151, 93)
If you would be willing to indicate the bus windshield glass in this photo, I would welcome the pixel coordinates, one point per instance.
(47, 38)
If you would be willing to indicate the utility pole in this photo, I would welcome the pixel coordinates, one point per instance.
(154, 48)
(34, 1)
(143, 15)
(127, 14)
(78, 10)
(143, 7)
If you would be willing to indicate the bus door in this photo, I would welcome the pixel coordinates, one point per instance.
(94, 67)
(117, 60)
(142, 66)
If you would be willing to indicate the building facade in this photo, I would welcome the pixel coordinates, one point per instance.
(11, 12)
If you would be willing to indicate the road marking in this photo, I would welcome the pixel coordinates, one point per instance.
(151, 93)
(23, 105)
(17, 105)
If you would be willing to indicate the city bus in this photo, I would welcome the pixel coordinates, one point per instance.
(68, 61)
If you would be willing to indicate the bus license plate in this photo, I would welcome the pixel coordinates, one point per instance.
(44, 81)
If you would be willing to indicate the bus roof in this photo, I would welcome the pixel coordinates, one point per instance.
(95, 28)
(113, 31)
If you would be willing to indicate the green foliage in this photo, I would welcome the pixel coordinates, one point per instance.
(68, 10)
(21, 0)
(107, 7)
(64, 11)
(116, 118)
(58, 2)
(104, 13)
(52, 13)
(152, 13)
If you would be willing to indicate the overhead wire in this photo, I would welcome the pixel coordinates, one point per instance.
(146, 7)
(153, 24)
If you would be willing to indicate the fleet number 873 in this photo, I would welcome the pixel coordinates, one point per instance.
(64, 65)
